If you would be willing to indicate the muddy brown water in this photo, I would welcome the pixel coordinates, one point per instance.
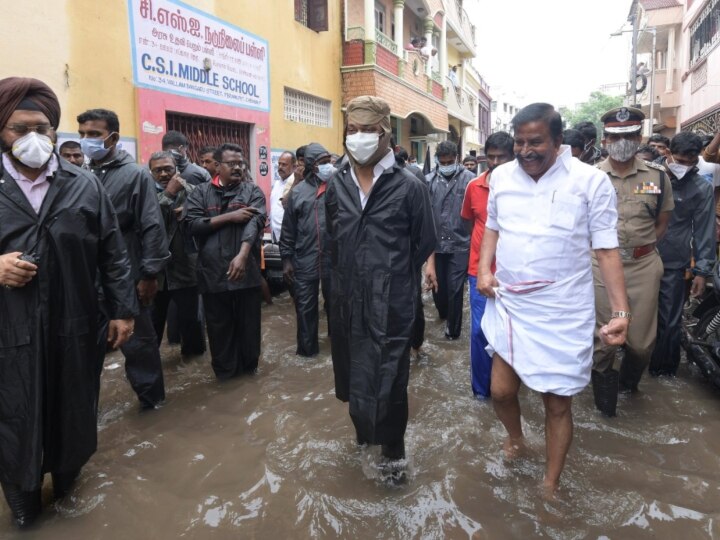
(273, 456)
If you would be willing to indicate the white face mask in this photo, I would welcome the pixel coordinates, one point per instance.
(33, 150)
(678, 170)
(362, 146)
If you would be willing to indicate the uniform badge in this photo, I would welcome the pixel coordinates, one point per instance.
(647, 188)
(623, 115)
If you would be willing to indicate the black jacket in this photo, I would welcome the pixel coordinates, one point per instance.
(447, 198)
(193, 174)
(181, 270)
(217, 247)
(304, 238)
(693, 219)
(132, 191)
(48, 328)
(375, 254)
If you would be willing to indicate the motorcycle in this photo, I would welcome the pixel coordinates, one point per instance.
(701, 332)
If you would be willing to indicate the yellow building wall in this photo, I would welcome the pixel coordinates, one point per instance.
(81, 49)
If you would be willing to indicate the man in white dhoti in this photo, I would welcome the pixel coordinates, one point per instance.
(545, 211)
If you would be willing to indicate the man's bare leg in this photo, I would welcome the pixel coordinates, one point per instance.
(558, 436)
(504, 388)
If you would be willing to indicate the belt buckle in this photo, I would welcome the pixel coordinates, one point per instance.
(627, 254)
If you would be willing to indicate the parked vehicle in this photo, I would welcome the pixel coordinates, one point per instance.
(273, 265)
(701, 332)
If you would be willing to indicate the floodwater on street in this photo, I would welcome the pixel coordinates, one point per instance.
(274, 456)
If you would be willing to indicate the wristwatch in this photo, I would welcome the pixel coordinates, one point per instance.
(621, 315)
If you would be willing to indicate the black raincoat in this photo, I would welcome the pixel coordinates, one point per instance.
(132, 191)
(304, 241)
(217, 247)
(375, 255)
(304, 238)
(48, 328)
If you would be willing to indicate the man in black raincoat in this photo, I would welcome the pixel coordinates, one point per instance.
(303, 246)
(132, 191)
(59, 233)
(381, 230)
(178, 281)
(446, 271)
(227, 218)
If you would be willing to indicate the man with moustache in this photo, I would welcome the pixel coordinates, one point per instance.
(227, 218)
(381, 229)
(498, 150)
(644, 205)
(545, 210)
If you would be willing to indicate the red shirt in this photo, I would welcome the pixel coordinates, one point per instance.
(475, 209)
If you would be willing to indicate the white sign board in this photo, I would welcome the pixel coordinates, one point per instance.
(179, 49)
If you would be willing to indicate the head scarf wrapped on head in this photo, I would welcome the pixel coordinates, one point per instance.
(26, 94)
(369, 110)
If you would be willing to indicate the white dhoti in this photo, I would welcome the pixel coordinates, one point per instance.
(544, 331)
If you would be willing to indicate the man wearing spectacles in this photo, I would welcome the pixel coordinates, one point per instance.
(59, 237)
(178, 281)
(227, 218)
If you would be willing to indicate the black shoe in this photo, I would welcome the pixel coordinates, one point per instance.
(63, 482)
(394, 472)
(605, 391)
(24, 505)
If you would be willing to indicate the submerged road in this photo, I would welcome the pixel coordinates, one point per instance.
(274, 456)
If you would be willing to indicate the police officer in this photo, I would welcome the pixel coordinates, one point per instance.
(645, 203)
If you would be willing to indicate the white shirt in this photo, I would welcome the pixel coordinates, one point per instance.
(276, 208)
(546, 227)
(709, 171)
(380, 167)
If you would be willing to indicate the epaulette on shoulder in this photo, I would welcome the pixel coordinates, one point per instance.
(655, 166)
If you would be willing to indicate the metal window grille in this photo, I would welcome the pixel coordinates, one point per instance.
(307, 109)
(301, 11)
(705, 32)
(203, 131)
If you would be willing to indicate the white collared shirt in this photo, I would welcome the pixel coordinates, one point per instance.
(546, 227)
(380, 167)
(276, 208)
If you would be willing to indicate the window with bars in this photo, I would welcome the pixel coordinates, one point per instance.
(307, 109)
(705, 32)
(312, 13)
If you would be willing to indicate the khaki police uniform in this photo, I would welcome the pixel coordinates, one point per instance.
(638, 193)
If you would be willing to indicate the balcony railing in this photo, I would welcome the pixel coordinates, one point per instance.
(461, 19)
(462, 103)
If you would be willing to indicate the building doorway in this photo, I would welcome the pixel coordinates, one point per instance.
(204, 131)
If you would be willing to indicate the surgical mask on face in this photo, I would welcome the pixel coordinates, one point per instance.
(678, 170)
(622, 150)
(447, 170)
(325, 171)
(95, 148)
(362, 146)
(33, 150)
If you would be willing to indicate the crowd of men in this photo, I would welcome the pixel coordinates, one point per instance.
(100, 253)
